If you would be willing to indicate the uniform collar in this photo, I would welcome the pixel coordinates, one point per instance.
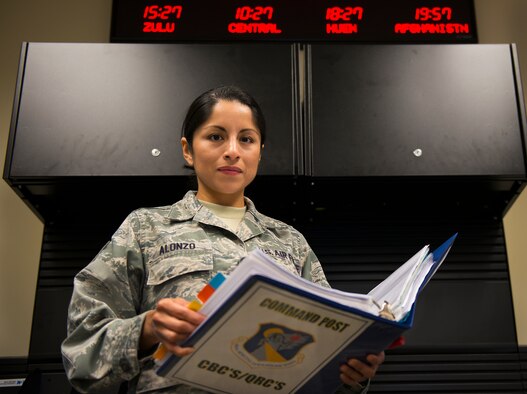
(186, 208)
(189, 208)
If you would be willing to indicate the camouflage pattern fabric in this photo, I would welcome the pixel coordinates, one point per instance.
(170, 251)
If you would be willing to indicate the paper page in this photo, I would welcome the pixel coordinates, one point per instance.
(258, 263)
(390, 289)
(420, 276)
(407, 297)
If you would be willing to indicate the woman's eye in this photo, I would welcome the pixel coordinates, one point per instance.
(248, 140)
(215, 137)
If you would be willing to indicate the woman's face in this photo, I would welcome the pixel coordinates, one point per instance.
(225, 153)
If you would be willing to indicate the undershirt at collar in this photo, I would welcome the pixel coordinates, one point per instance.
(231, 216)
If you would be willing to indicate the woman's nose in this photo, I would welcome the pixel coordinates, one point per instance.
(232, 149)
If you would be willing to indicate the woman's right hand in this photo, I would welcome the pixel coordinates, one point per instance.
(170, 324)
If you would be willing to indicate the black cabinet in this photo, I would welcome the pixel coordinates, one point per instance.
(407, 110)
(369, 110)
(117, 109)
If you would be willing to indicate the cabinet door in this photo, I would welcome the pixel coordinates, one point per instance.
(404, 110)
(117, 109)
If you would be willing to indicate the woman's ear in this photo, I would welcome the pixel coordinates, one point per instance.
(261, 150)
(187, 151)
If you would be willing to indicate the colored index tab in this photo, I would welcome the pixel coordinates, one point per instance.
(218, 279)
(209, 288)
(160, 353)
(195, 305)
(205, 293)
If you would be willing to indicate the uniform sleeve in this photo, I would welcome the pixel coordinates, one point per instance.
(311, 268)
(104, 324)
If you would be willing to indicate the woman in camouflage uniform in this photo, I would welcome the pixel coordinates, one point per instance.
(134, 294)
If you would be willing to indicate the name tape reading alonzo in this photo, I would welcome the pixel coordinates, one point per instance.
(233, 373)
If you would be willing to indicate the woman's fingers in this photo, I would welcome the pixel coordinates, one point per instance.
(173, 321)
(355, 371)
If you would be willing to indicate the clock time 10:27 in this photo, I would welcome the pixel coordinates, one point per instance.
(257, 13)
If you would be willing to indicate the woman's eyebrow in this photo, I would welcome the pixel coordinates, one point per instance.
(214, 126)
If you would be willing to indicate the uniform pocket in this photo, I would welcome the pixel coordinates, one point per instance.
(178, 263)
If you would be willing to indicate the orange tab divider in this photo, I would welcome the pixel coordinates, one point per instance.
(205, 293)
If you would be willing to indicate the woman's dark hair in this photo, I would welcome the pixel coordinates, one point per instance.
(201, 109)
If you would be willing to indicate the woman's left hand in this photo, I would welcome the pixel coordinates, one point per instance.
(355, 372)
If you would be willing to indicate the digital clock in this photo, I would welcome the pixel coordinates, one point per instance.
(162, 12)
(257, 13)
(384, 21)
(344, 13)
(254, 20)
(156, 18)
(435, 14)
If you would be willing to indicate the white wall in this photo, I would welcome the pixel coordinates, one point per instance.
(20, 230)
(500, 22)
(89, 21)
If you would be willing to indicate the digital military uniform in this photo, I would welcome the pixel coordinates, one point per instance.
(156, 253)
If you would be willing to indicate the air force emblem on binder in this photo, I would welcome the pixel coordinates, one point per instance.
(273, 345)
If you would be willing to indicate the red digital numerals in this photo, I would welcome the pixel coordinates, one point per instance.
(339, 20)
(435, 14)
(257, 13)
(157, 18)
(254, 20)
(432, 20)
(266, 20)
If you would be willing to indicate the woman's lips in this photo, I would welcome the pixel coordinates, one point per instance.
(230, 170)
